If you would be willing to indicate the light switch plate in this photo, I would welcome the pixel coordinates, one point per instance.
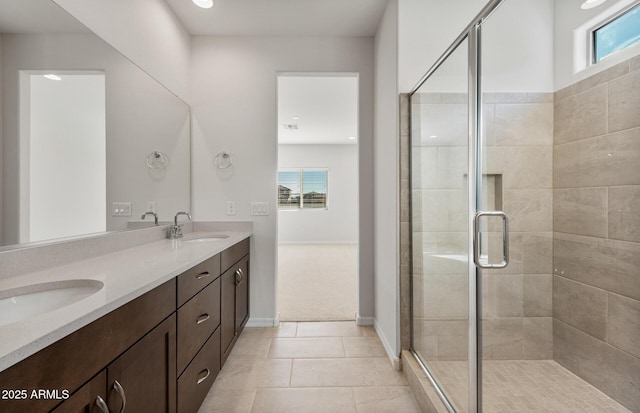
(259, 208)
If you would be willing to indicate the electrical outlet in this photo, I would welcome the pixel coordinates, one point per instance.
(231, 208)
(121, 209)
(259, 208)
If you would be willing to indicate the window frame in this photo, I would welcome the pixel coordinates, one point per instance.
(591, 33)
(301, 172)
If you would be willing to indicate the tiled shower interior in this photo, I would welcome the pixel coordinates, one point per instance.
(560, 326)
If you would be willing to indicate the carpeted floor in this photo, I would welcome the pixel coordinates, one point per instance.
(317, 282)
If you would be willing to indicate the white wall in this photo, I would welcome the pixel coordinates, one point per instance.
(1, 146)
(67, 166)
(570, 43)
(386, 201)
(234, 108)
(339, 222)
(146, 31)
(517, 41)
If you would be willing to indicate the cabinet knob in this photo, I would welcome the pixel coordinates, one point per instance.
(118, 388)
(102, 406)
(206, 373)
(238, 276)
(202, 318)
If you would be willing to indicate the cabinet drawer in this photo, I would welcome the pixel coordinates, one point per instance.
(195, 382)
(196, 278)
(232, 254)
(197, 319)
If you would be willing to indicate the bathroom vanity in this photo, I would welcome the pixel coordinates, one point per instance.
(158, 352)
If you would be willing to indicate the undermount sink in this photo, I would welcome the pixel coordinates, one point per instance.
(205, 238)
(23, 302)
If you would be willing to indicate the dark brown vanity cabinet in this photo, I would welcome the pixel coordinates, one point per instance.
(159, 353)
(235, 295)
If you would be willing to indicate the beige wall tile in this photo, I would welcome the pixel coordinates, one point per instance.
(608, 264)
(446, 297)
(611, 73)
(624, 214)
(608, 160)
(634, 64)
(564, 93)
(538, 338)
(537, 253)
(443, 210)
(509, 298)
(404, 114)
(524, 124)
(529, 210)
(502, 339)
(447, 122)
(313, 400)
(623, 326)
(624, 102)
(518, 97)
(580, 116)
(581, 306)
(537, 294)
(521, 167)
(580, 211)
(494, 240)
(614, 372)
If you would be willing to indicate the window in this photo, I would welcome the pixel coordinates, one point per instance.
(311, 183)
(616, 34)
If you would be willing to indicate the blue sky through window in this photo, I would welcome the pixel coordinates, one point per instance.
(618, 34)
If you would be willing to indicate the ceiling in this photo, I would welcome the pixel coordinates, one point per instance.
(281, 17)
(36, 16)
(326, 108)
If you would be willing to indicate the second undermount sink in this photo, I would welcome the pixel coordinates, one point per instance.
(23, 302)
(205, 238)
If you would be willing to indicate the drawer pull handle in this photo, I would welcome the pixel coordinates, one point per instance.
(202, 275)
(241, 274)
(102, 406)
(202, 318)
(206, 372)
(238, 276)
(118, 388)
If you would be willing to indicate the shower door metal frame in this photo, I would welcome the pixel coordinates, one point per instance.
(475, 144)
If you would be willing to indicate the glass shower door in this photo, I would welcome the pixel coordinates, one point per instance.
(440, 227)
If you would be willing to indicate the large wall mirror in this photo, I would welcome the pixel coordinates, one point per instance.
(90, 142)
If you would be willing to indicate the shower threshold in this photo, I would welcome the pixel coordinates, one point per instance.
(510, 386)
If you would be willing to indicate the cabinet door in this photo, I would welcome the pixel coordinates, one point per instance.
(143, 379)
(227, 309)
(242, 294)
(85, 399)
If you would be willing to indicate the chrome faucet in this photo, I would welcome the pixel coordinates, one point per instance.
(155, 216)
(175, 231)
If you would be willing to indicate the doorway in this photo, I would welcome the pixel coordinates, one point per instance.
(317, 196)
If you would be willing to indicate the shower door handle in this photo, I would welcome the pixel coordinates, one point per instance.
(477, 244)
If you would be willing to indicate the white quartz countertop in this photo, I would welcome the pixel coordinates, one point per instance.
(126, 274)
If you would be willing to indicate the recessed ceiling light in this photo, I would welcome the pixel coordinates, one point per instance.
(433, 136)
(589, 4)
(295, 117)
(51, 76)
(205, 4)
(352, 138)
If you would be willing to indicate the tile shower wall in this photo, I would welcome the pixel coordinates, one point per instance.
(517, 315)
(596, 223)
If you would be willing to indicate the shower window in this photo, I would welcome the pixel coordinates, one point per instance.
(616, 34)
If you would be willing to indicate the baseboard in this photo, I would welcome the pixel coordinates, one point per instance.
(364, 321)
(263, 322)
(393, 358)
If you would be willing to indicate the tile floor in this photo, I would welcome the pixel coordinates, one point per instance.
(525, 386)
(329, 367)
(317, 282)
